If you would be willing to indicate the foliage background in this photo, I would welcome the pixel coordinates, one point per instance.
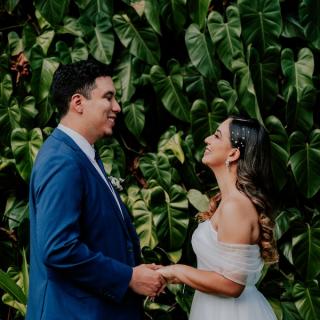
(180, 66)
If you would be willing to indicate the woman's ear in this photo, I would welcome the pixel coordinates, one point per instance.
(234, 155)
(76, 103)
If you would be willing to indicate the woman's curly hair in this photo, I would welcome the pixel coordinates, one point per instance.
(254, 179)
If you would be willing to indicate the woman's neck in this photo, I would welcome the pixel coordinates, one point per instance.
(226, 179)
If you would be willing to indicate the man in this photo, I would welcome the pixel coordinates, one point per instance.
(84, 249)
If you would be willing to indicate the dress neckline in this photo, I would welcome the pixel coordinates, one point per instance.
(227, 243)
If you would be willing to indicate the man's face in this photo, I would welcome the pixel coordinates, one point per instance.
(101, 109)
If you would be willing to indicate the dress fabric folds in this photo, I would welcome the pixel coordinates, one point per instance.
(240, 263)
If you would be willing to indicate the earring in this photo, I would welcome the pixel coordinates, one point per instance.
(227, 162)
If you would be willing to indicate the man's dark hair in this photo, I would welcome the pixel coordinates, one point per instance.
(77, 77)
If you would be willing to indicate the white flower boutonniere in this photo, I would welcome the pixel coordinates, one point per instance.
(116, 183)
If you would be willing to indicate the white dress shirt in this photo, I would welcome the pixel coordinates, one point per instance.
(89, 151)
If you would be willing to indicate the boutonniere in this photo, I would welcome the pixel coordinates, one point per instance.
(116, 183)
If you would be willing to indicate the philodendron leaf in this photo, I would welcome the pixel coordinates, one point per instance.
(306, 251)
(143, 218)
(261, 23)
(25, 146)
(199, 200)
(198, 11)
(307, 300)
(309, 17)
(174, 13)
(16, 211)
(170, 216)
(279, 150)
(157, 167)
(169, 89)
(125, 75)
(171, 141)
(134, 117)
(201, 52)
(141, 42)
(42, 72)
(228, 94)
(246, 92)
(299, 73)
(9, 286)
(10, 116)
(285, 220)
(304, 161)
(102, 42)
(205, 120)
(152, 13)
(226, 35)
(5, 87)
(52, 10)
(264, 71)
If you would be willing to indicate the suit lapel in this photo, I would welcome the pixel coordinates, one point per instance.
(60, 135)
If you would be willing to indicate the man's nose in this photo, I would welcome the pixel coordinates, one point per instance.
(116, 106)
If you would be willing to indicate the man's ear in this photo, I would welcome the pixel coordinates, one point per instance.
(76, 103)
(234, 155)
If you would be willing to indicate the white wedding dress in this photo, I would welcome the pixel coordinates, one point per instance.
(239, 262)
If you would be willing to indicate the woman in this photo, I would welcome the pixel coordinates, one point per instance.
(236, 238)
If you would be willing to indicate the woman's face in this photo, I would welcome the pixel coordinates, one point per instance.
(218, 146)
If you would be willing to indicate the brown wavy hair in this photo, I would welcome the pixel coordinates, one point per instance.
(254, 179)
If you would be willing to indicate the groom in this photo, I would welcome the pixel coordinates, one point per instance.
(85, 252)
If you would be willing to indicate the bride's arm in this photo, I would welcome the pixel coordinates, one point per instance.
(205, 281)
(234, 227)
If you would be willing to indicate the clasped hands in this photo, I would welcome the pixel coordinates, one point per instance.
(151, 279)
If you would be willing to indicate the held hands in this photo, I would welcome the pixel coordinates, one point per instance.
(170, 273)
(146, 280)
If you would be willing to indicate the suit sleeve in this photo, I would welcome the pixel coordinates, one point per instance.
(58, 197)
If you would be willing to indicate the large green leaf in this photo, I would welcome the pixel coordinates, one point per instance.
(157, 167)
(169, 89)
(309, 17)
(245, 88)
(152, 13)
(170, 216)
(143, 218)
(71, 26)
(134, 117)
(10, 116)
(279, 150)
(198, 11)
(91, 7)
(171, 141)
(126, 74)
(25, 146)
(306, 251)
(308, 300)
(226, 35)
(198, 200)
(285, 220)
(28, 111)
(290, 311)
(304, 160)
(15, 43)
(42, 72)
(204, 120)
(16, 211)
(102, 42)
(75, 53)
(5, 87)
(228, 94)
(52, 10)
(298, 73)
(261, 22)
(9, 286)
(264, 72)
(142, 42)
(174, 13)
(10, 5)
(201, 52)
(113, 157)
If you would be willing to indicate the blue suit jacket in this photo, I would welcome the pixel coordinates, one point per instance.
(82, 250)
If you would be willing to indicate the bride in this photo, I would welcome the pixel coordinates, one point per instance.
(236, 237)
